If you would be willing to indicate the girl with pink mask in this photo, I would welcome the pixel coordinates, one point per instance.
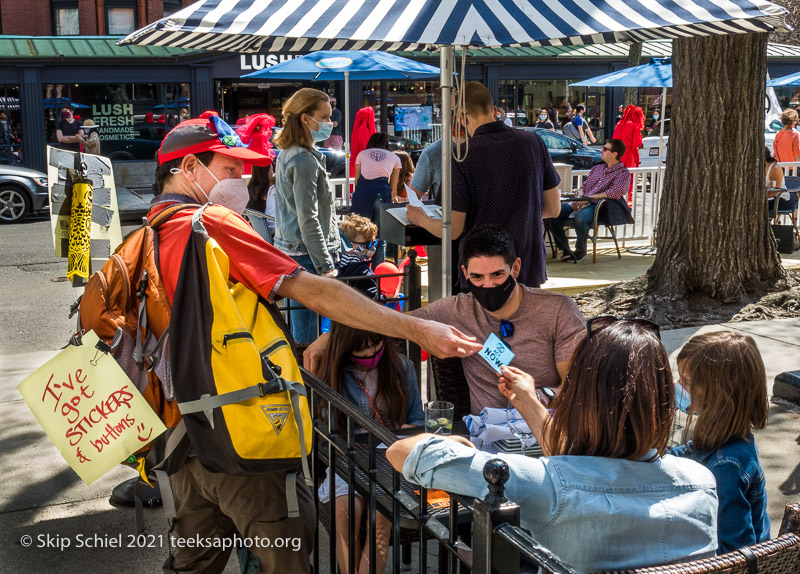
(366, 369)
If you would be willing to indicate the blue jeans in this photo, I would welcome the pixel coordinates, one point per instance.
(582, 221)
(302, 321)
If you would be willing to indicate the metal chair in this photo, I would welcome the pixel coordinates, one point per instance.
(593, 233)
(451, 384)
(777, 556)
(784, 207)
(258, 221)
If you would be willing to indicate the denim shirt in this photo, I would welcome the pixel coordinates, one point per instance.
(305, 220)
(595, 513)
(355, 394)
(742, 518)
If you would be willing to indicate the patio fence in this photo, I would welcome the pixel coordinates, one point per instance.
(646, 201)
(482, 535)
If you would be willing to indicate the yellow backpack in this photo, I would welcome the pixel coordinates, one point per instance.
(236, 379)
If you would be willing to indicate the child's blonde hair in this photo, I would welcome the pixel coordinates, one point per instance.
(355, 225)
(728, 386)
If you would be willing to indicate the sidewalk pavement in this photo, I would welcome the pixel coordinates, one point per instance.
(43, 498)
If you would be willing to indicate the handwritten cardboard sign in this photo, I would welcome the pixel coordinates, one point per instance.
(496, 352)
(90, 409)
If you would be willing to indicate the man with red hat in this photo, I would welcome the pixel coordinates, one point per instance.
(201, 161)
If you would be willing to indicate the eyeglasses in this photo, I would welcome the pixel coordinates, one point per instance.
(607, 149)
(506, 329)
(596, 324)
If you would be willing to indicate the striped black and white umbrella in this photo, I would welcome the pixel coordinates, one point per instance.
(393, 25)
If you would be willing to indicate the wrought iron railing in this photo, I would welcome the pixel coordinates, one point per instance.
(491, 542)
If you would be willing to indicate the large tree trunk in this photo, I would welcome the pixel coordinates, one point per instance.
(630, 96)
(713, 231)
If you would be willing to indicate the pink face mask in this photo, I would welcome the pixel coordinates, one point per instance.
(368, 363)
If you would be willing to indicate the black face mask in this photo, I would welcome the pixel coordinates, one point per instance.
(493, 298)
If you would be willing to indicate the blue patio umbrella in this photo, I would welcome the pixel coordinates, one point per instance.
(656, 74)
(790, 80)
(53, 103)
(347, 65)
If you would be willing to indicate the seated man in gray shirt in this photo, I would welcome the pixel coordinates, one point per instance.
(542, 328)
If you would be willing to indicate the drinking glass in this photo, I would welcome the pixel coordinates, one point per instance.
(439, 417)
(518, 426)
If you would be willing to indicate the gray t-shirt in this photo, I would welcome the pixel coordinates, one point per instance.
(428, 171)
(547, 328)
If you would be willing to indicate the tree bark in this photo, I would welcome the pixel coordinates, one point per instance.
(630, 96)
(713, 229)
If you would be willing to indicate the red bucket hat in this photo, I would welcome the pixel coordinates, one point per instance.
(207, 134)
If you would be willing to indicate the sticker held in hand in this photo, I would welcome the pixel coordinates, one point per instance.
(496, 353)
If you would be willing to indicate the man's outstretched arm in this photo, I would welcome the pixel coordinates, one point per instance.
(343, 304)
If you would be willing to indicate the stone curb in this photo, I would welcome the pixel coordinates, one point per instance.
(787, 386)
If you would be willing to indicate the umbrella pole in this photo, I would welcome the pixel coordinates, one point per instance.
(661, 167)
(346, 197)
(446, 78)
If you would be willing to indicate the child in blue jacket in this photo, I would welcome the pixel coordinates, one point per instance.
(723, 377)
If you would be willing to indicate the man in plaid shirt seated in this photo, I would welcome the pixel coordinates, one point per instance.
(608, 180)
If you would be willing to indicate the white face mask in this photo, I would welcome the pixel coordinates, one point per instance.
(231, 192)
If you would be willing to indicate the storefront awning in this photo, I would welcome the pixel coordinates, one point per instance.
(80, 47)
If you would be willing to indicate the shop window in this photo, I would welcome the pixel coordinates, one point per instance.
(120, 18)
(65, 18)
(130, 119)
(10, 125)
(171, 6)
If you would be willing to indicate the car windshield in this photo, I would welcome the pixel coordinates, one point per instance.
(553, 141)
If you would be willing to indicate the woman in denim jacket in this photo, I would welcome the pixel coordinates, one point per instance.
(305, 224)
(724, 377)
(365, 368)
(607, 496)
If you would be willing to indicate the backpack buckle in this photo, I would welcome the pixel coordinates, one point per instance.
(277, 385)
(140, 293)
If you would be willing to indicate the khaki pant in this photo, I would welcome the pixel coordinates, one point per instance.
(215, 507)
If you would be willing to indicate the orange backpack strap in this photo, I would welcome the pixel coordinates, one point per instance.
(166, 214)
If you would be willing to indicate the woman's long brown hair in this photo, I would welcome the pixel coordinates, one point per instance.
(728, 387)
(617, 400)
(391, 398)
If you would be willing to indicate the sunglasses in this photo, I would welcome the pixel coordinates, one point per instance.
(358, 247)
(596, 324)
(607, 149)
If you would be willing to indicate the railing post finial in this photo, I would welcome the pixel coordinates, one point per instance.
(496, 473)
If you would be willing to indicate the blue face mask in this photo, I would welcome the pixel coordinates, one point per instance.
(683, 399)
(323, 131)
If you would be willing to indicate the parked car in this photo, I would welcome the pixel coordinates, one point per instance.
(567, 150)
(143, 147)
(22, 191)
(11, 155)
(413, 147)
